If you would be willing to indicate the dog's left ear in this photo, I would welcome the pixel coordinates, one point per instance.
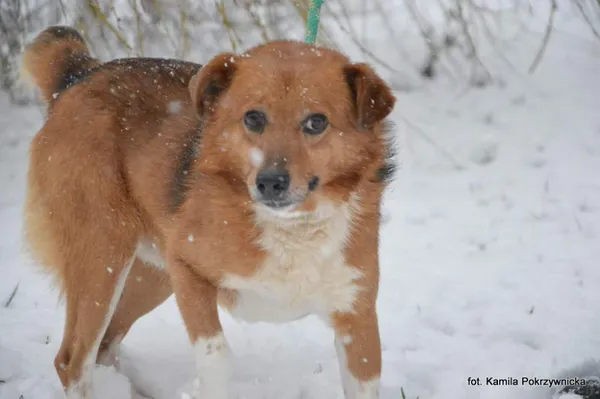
(371, 96)
(210, 82)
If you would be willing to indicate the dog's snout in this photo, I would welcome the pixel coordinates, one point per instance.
(273, 184)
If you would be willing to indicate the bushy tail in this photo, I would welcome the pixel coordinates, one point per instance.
(57, 58)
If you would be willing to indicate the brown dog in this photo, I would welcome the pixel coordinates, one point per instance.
(253, 183)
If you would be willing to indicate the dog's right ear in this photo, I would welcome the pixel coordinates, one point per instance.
(210, 82)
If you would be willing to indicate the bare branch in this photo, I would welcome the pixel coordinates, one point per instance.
(11, 296)
(546, 39)
(445, 153)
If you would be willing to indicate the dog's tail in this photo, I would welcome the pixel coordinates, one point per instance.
(57, 58)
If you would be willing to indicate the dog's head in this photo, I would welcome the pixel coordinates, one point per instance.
(292, 125)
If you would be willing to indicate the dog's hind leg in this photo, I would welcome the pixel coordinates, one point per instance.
(83, 225)
(147, 287)
(89, 312)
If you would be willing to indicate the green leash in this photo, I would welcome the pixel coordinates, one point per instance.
(314, 16)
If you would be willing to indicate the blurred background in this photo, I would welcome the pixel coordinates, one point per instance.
(408, 40)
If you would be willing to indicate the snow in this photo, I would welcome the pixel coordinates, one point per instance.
(174, 107)
(489, 255)
(110, 384)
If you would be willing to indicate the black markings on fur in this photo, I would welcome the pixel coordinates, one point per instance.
(351, 81)
(156, 64)
(213, 90)
(74, 70)
(184, 163)
(76, 63)
(313, 183)
(386, 173)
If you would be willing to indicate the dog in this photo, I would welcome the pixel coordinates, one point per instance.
(252, 183)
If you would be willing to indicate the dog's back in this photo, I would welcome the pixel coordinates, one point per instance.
(101, 115)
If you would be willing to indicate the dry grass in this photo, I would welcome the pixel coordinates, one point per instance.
(421, 42)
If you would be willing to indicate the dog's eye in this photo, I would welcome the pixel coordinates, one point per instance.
(315, 124)
(255, 121)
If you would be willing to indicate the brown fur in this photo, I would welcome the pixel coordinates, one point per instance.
(57, 58)
(114, 164)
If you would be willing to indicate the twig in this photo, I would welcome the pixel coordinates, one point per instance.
(472, 53)
(101, 16)
(138, 26)
(481, 15)
(12, 296)
(399, 48)
(257, 21)
(302, 10)
(346, 15)
(549, 26)
(183, 22)
(233, 38)
(587, 18)
(445, 153)
(364, 49)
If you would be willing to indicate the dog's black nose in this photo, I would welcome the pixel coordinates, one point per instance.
(272, 184)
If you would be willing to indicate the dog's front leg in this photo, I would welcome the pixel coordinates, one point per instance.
(359, 354)
(197, 301)
(357, 338)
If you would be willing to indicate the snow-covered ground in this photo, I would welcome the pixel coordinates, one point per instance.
(490, 269)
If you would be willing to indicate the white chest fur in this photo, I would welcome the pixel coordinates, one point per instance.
(305, 271)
